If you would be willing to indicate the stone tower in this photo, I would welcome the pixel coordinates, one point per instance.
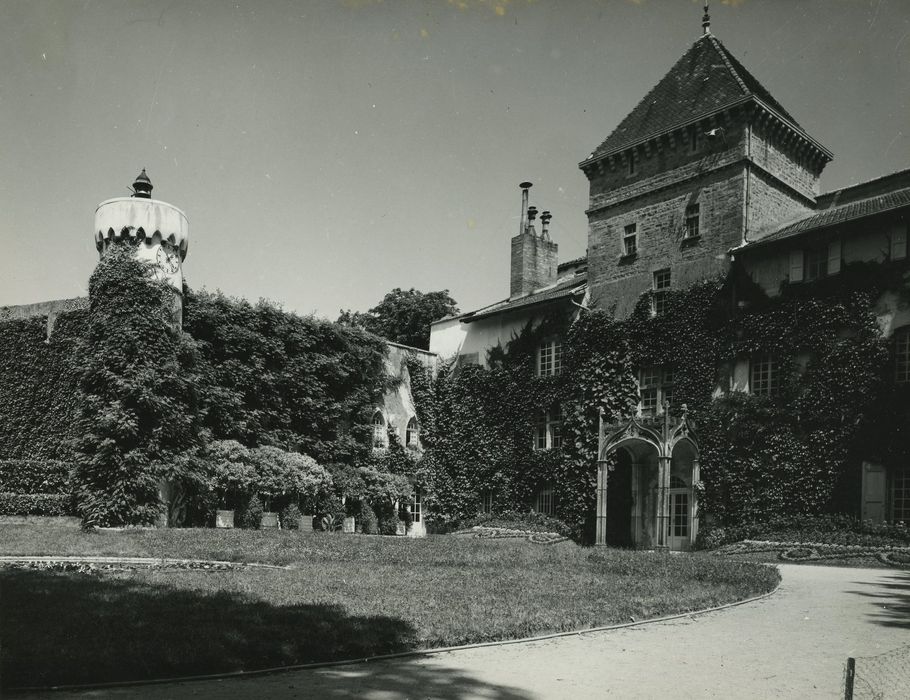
(159, 232)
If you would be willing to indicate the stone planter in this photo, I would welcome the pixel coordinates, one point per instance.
(269, 521)
(400, 528)
(224, 518)
(305, 523)
(347, 525)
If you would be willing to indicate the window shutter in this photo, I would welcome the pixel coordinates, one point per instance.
(898, 243)
(796, 266)
(834, 252)
(873, 492)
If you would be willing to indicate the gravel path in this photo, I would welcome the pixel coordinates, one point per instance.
(791, 645)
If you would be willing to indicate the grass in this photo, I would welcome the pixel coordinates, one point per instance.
(345, 597)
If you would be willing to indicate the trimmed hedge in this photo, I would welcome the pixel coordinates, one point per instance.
(34, 476)
(36, 504)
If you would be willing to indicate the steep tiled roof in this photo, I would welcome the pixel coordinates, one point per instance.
(567, 288)
(705, 80)
(837, 215)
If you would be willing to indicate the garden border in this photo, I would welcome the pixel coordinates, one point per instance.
(380, 657)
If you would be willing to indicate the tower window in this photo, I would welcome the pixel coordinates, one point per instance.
(630, 240)
(692, 220)
(631, 162)
(693, 139)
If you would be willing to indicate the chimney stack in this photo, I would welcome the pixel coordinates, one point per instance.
(534, 257)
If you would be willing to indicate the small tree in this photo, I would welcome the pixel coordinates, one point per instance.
(404, 316)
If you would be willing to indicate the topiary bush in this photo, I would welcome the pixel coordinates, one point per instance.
(366, 517)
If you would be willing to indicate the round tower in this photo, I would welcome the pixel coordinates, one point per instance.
(158, 231)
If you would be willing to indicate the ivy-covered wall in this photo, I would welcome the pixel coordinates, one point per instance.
(796, 451)
(38, 384)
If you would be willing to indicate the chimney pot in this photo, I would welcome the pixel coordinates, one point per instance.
(523, 224)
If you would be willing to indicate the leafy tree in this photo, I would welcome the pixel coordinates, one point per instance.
(403, 316)
(139, 414)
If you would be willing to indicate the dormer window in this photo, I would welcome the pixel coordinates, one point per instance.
(630, 240)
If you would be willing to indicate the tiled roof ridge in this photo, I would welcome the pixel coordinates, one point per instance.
(722, 52)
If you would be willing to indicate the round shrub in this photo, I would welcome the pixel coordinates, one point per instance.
(369, 525)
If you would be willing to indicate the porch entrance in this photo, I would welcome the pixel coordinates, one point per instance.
(647, 499)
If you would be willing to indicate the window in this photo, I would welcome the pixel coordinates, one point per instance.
(631, 162)
(693, 139)
(900, 496)
(548, 429)
(816, 264)
(661, 287)
(549, 358)
(655, 388)
(897, 242)
(630, 240)
(545, 500)
(380, 434)
(902, 355)
(486, 501)
(416, 506)
(765, 375)
(412, 434)
(692, 217)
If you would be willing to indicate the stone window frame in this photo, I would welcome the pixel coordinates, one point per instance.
(629, 240)
(764, 375)
(548, 429)
(662, 282)
(549, 358)
(380, 430)
(692, 226)
(412, 434)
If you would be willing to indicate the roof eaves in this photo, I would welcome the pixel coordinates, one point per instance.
(527, 302)
(783, 235)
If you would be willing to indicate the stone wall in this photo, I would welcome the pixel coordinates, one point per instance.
(49, 309)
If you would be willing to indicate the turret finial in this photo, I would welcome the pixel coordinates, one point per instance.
(142, 186)
(706, 20)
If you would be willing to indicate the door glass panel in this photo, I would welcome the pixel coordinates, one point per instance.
(680, 514)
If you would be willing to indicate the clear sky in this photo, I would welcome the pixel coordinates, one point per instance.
(326, 152)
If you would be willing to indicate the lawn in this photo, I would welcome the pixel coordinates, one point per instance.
(345, 597)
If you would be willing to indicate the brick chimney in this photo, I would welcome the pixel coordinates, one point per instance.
(534, 257)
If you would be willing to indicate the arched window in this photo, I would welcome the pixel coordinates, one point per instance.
(380, 434)
(412, 434)
(677, 483)
(902, 355)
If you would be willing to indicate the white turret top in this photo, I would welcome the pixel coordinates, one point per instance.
(159, 231)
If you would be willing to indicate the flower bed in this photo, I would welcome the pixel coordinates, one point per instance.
(891, 555)
(497, 533)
